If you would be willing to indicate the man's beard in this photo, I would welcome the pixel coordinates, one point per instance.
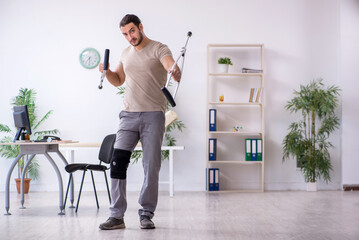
(139, 40)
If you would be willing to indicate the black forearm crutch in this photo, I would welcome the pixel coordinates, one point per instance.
(165, 91)
(105, 67)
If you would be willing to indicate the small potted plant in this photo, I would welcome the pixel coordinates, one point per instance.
(308, 139)
(224, 64)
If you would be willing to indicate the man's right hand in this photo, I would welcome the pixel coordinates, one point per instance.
(117, 77)
(100, 67)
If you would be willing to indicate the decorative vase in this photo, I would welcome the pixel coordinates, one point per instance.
(312, 186)
(26, 185)
(223, 68)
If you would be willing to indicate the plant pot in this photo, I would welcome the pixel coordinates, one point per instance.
(223, 68)
(312, 186)
(26, 185)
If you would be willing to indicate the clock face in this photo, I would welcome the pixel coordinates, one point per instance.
(89, 58)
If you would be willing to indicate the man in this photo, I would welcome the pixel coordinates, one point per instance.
(143, 66)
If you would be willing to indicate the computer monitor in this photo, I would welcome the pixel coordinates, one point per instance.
(22, 120)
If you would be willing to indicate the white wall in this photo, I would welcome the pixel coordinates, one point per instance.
(349, 19)
(40, 42)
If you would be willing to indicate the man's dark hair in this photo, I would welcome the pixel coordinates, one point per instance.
(130, 18)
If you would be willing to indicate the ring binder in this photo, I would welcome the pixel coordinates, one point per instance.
(212, 119)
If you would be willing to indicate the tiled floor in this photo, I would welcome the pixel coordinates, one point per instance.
(192, 215)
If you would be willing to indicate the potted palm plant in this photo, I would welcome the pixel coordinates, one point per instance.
(308, 139)
(224, 63)
(25, 97)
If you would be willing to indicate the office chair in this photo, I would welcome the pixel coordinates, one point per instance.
(105, 155)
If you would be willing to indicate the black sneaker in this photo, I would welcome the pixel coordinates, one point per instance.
(112, 223)
(146, 222)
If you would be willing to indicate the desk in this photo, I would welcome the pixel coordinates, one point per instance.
(33, 148)
(71, 155)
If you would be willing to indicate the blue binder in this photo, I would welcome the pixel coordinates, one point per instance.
(212, 148)
(254, 150)
(216, 179)
(212, 119)
(207, 182)
(211, 179)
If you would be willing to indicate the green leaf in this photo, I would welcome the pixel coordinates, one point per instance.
(5, 128)
(121, 91)
(177, 124)
(9, 151)
(44, 118)
(33, 169)
(136, 156)
(225, 60)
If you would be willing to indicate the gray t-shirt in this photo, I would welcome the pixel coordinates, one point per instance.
(145, 76)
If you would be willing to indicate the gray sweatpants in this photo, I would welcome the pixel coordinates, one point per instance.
(149, 127)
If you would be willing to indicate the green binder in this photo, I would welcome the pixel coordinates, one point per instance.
(259, 149)
(248, 149)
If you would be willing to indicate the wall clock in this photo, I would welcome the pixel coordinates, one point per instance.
(89, 58)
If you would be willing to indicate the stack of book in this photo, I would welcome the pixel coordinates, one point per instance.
(251, 70)
(253, 149)
(255, 95)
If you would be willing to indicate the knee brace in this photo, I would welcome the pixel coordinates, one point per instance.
(119, 163)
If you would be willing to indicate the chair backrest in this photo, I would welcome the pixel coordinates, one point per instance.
(171, 116)
(106, 149)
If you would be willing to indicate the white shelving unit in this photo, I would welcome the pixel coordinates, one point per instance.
(236, 174)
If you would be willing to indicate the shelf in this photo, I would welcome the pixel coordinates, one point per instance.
(230, 147)
(237, 191)
(237, 162)
(235, 45)
(235, 133)
(235, 74)
(236, 103)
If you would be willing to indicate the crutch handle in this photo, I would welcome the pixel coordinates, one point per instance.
(168, 96)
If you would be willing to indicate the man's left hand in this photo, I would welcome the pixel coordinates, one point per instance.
(176, 75)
